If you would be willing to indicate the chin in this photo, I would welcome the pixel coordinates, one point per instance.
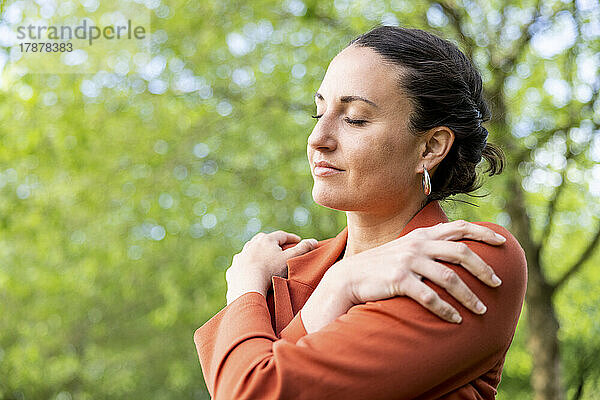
(344, 199)
(334, 199)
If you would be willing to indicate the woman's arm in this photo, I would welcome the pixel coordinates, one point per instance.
(397, 268)
(390, 348)
(393, 269)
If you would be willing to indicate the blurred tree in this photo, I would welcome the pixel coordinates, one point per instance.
(558, 149)
(125, 193)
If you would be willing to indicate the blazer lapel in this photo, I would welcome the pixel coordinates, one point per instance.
(304, 272)
(282, 303)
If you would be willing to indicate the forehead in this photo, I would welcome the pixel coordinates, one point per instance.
(362, 72)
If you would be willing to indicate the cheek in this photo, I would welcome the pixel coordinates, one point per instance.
(383, 156)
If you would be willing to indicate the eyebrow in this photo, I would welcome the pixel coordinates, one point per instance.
(348, 99)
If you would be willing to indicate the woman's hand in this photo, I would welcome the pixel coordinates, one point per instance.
(396, 268)
(261, 258)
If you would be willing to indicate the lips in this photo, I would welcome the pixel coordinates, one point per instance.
(325, 164)
(323, 168)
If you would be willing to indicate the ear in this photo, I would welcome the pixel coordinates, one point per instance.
(437, 143)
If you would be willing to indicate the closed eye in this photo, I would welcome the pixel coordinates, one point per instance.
(359, 122)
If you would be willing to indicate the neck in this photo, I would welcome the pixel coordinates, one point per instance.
(368, 230)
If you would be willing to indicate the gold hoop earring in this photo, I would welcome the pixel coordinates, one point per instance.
(426, 182)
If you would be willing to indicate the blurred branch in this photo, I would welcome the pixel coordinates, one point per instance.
(596, 238)
(332, 22)
(521, 222)
(314, 15)
(570, 68)
(579, 391)
(574, 120)
(456, 20)
(584, 368)
(542, 141)
(495, 92)
(521, 43)
(577, 266)
(551, 213)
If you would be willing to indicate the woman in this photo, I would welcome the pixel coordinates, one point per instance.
(399, 128)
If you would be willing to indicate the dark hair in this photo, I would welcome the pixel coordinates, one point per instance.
(445, 89)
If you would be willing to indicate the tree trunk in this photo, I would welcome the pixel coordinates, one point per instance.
(546, 377)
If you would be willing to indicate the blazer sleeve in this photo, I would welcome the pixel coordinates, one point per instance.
(392, 348)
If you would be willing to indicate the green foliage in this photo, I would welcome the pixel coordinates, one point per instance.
(121, 209)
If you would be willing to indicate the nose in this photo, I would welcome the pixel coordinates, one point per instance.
(323, 136)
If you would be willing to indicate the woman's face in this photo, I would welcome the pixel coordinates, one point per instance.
(363, 131)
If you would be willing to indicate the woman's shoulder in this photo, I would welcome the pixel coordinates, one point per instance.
(508, 262)
(507, 256)
(504, 302)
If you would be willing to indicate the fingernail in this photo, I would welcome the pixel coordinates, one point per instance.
(480, 307)
(495, 280)
(456, 318)
(500, 237)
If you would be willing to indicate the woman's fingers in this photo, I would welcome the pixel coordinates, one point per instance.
(304, 246)
(461, 229)
(449, 280)
(428, 298)
(283, 237)
(460, 253)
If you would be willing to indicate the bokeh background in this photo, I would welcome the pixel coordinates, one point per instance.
(125, 193)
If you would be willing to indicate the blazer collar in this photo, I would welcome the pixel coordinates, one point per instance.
(310, 267)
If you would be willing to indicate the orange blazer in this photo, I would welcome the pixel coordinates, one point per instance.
(258, 348)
